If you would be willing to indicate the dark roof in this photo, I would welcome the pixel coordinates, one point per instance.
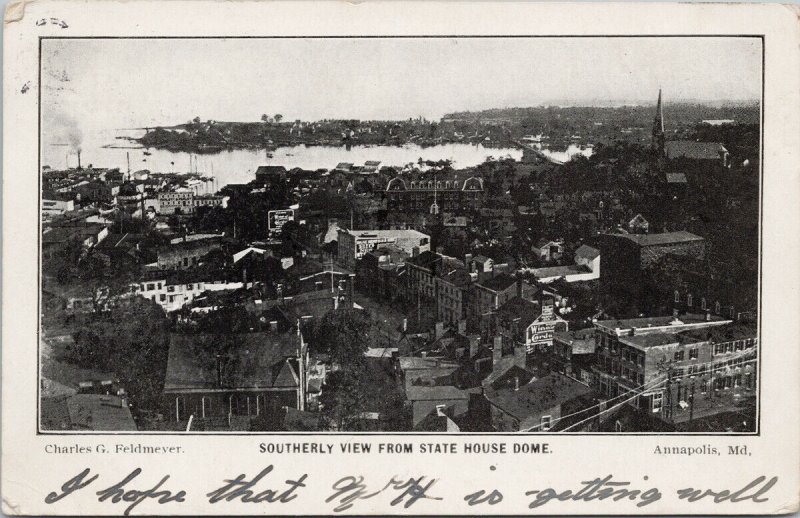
(87, 412)
(661, 321)
(254, 361)
(587, 252)
(694, 150)
(518, 308)
(722, 333)
(538, 395)
(666, 238)
(498, 282)
(580, 341)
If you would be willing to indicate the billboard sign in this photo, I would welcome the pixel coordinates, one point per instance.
(276, 219)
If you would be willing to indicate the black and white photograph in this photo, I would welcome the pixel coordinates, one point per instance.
(400, 235)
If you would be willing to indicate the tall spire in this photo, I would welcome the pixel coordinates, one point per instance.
(658, 126)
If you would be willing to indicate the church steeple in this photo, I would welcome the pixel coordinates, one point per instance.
(658, 127)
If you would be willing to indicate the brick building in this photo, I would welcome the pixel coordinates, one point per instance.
(676, 368)
(446, 193)
(180, 201)
(627, 257)
(353, 244)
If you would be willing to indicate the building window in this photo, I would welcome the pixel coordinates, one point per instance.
(703, 304)
(151, 287)
(180, 408)
(693, 353)
(678, 356)
(656, 402)
(162, 298)
(546, 422)
(689, 300)
(677, 296)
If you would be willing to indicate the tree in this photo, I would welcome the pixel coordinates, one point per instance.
(265, 118)
(343, 398)
(132, 341)
(278, 117)
(344, 334)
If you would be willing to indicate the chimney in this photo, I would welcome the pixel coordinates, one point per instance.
(349, 291)
(439, 330)
(462, 327)
(474, 343)
(516, 382)
(405, 325)
(497, 349)
(467, 260)
(520, 356)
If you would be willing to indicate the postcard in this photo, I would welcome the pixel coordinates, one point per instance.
(446, 258)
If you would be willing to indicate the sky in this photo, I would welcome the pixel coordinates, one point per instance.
(112, 84)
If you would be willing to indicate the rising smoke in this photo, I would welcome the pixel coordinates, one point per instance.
(63, 129)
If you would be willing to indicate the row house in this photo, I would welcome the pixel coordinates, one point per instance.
(174, 293)
(186, 253)
(676, 368)
(422, 271)
(382, 272)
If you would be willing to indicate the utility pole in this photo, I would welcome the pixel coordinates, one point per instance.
(691, 404)
(669, 392)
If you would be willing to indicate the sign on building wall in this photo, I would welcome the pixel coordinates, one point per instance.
(540, 333)
(276, 219)
(364, 245)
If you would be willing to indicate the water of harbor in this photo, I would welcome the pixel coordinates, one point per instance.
(238, 166)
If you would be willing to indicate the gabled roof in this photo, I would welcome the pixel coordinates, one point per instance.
(87, 412)
(694, 150)
(498, 282)
(253, 360)
(587, 252)
(538, 395)
(518, 308)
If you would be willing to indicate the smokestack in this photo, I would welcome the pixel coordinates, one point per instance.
(79, 159)
(497, 349)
